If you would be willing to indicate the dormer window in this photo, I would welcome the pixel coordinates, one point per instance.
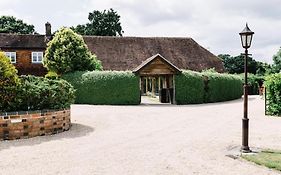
(37, 57)
(12, 56)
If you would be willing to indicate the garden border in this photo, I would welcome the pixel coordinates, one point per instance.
(27, 124)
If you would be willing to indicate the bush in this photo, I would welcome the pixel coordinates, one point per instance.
(189, 88)
(37, 93)
(105, 87)
(8, 82)
(67, 52)
(222, 87)
(273, 93)
(254, 82)
(52, 75)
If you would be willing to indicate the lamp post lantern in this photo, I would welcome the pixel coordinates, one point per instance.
(246, 39)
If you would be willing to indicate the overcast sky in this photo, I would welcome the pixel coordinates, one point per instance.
(213, 24)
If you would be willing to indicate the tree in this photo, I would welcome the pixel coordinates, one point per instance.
(8, 83)
(67, 52)
(276, 67)
(9, 24)
(105, 23)
(263, 68)
(236, 64)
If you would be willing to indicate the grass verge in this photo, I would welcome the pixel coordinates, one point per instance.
(268, 158)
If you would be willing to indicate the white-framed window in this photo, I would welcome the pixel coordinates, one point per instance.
(12, 56)
(37, 57)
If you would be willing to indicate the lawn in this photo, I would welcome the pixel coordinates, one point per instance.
(268, 158)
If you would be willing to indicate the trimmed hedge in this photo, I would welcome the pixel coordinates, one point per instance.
(189, 88)
(222, 87)
(273, 93)
(193, 87)
(105, 87)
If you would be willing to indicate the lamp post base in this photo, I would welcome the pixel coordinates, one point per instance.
(245, 149)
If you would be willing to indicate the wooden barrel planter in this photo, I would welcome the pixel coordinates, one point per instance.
(27, 124)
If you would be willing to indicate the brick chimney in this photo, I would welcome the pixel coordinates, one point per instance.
(48, 34)
(48, 29)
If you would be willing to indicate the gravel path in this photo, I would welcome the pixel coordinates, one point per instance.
(146, 140)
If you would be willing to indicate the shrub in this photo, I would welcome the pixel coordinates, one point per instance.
(8, 82)
(222, 87)
(273, 93)
(67, 52)
(105, 87)
(254, 82)
(52, 75)
(189, 88)
(37, 93)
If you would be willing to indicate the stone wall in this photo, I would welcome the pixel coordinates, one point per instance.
(18, 125)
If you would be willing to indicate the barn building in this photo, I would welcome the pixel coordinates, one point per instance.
(155, 59)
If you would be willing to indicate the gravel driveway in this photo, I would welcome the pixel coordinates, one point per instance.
(146, 140)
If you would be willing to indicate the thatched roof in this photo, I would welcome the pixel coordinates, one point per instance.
(127, 53)
(17, 41)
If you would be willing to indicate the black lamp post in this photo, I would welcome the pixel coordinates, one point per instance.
(246, 39)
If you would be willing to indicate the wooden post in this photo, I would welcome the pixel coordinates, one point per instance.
(165, 82)
(159, 84)
(152, 87)
(146, 85)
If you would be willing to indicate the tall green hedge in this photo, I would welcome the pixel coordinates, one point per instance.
(193, 87)
(273, 93)
(189, 88)
(105, 87)
(222, 87)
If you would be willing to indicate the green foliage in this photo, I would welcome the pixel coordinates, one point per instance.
(105, 87)
(37, 93)
(105, 23)
(8, 82)
(52, 75)
(254, 82)
(67, 52)
(30, 92)
(236, 64)
(189, 88)
(9, 24)
(273, 93)
(193, 87)
(263, 68)
(277, 62)
(222, 87)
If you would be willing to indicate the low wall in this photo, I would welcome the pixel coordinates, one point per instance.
(18, 125)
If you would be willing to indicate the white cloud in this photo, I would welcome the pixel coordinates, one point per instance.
(213, 24)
